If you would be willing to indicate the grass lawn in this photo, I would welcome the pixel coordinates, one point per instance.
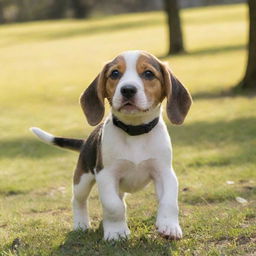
(44, 68)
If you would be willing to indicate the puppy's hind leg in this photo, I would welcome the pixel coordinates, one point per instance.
(81, 191)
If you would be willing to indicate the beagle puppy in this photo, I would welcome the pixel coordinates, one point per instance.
(132, 146)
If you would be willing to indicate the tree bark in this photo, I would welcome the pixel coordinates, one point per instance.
(174, 27)
(81, 8)
(1, 12)
(249, 80)
(58, 9)
(21, 11)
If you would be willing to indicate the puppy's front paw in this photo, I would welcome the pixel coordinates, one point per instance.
(115, 230)
(83, 225)
(169, 229)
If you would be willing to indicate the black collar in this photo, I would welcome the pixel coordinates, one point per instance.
(134, 130)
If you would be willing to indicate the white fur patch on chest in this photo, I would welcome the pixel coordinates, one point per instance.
(118, 145)
(134, 177)
(132, 158)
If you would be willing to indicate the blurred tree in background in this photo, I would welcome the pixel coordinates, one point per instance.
(174, 24)
(27, 10)
(81, 8)
(1, 12)
(249, 80)
(58, 9)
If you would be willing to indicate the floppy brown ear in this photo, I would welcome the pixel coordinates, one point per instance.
(92, 101)
(178, 98)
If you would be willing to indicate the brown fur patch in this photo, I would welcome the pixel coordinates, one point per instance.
(178, 97)
(90, 157)
(117, 64)
(154, 89)
(92, 99)
(92, 102)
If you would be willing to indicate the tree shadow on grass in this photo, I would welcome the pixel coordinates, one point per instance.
(239, 133)
(43, 35)
(234, 131)
(206, 51)
(231, 93)
(206, 136)
(27, 148)
(214, 95)
(104, 28)
(91, 243)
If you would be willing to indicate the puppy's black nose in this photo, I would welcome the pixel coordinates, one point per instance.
(128, 91)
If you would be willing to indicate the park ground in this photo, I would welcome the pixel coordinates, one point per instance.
(44, 68)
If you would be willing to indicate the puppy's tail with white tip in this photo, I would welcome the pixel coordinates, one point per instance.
(73, 144)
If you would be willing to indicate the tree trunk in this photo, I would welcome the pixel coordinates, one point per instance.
(58, 9)
(174, 24)
(1, 12)
(21, 11)
(81, 8)
(249, 80)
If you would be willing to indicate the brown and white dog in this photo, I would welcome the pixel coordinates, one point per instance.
(132, 146)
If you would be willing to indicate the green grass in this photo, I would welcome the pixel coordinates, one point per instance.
(44, 68)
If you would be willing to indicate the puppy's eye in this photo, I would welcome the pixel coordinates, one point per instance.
(115, 74)
(149, 75)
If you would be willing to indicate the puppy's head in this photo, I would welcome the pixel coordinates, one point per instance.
(135, 82)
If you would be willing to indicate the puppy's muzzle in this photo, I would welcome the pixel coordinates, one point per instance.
(128, 91)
